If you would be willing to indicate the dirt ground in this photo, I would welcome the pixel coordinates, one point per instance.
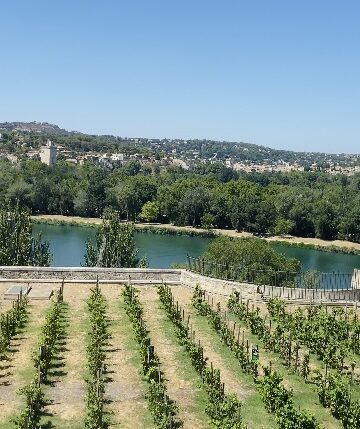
(180, 388)
(125, 387)
(17, 369)
(66, 391)
(183, 296)
(125, 391)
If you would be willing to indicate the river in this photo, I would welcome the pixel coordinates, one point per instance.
(67, 244)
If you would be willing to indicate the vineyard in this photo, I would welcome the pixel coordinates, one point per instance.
(119, 356)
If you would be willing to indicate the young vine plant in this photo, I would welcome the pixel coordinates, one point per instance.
(333, 388)
(43, 358)
(98, 338)
(224, 410)
(162, 408)
(277, 399)
(11, 322)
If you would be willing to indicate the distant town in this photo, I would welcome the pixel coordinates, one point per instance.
(50, 144)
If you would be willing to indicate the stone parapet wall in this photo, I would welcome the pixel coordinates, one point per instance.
(255, 292)
(144, 276)
(84, 274)
(219, 286)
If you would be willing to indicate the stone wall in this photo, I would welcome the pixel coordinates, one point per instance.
(86, 274)
(219, 286)
(255, 292)
(174, 277)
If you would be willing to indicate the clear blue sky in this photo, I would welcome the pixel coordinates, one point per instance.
(280, 73)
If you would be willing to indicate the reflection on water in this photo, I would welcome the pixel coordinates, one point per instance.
(67, 243)
(68, 246)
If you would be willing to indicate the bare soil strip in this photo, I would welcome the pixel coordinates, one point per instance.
(125, 388)
(18, 369)
(235, 380)
(180, 389)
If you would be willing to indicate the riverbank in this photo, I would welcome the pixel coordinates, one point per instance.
(141, 227)
(313, 243)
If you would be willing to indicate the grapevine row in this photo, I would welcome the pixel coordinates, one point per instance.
(278, 340)
(277, 399)
(98, 338)
(161, 407)
(328, 334)
(51, 332)
(11, 322)
(224, 410)
(334, 391)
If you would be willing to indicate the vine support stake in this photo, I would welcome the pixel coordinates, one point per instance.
(39, 376)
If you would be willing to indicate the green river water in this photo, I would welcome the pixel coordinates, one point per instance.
(68, 247)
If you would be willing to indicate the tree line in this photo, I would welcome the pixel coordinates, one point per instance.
(302, 204)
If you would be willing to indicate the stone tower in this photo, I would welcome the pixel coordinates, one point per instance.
(48, 153)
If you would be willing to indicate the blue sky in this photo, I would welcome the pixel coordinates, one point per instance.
(284, 74)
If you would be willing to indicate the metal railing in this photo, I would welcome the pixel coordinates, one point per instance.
(304, 280)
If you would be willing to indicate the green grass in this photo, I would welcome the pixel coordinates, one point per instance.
(253, 410)
(305, 395)
(28, 373)
(123, 326)
(50, 420)
(187, 373)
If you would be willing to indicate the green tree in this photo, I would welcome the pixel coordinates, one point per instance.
(150, 211)
(19, 192)
(114, 245)
(195, 203)
(312, 279)
(17, 245)
(283, 226)
(325, 221)
(207, 221)
(250, 259)
(131, 194)
(132, 168)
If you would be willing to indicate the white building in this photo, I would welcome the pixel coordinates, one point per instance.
(48, 153)
(117, 157)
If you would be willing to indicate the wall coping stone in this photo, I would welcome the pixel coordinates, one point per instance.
(90, 269)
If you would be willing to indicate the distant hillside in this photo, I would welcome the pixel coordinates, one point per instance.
(34, 127)
(18, 136)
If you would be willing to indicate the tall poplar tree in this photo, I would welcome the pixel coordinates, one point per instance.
(17, 245)
(114, 244)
